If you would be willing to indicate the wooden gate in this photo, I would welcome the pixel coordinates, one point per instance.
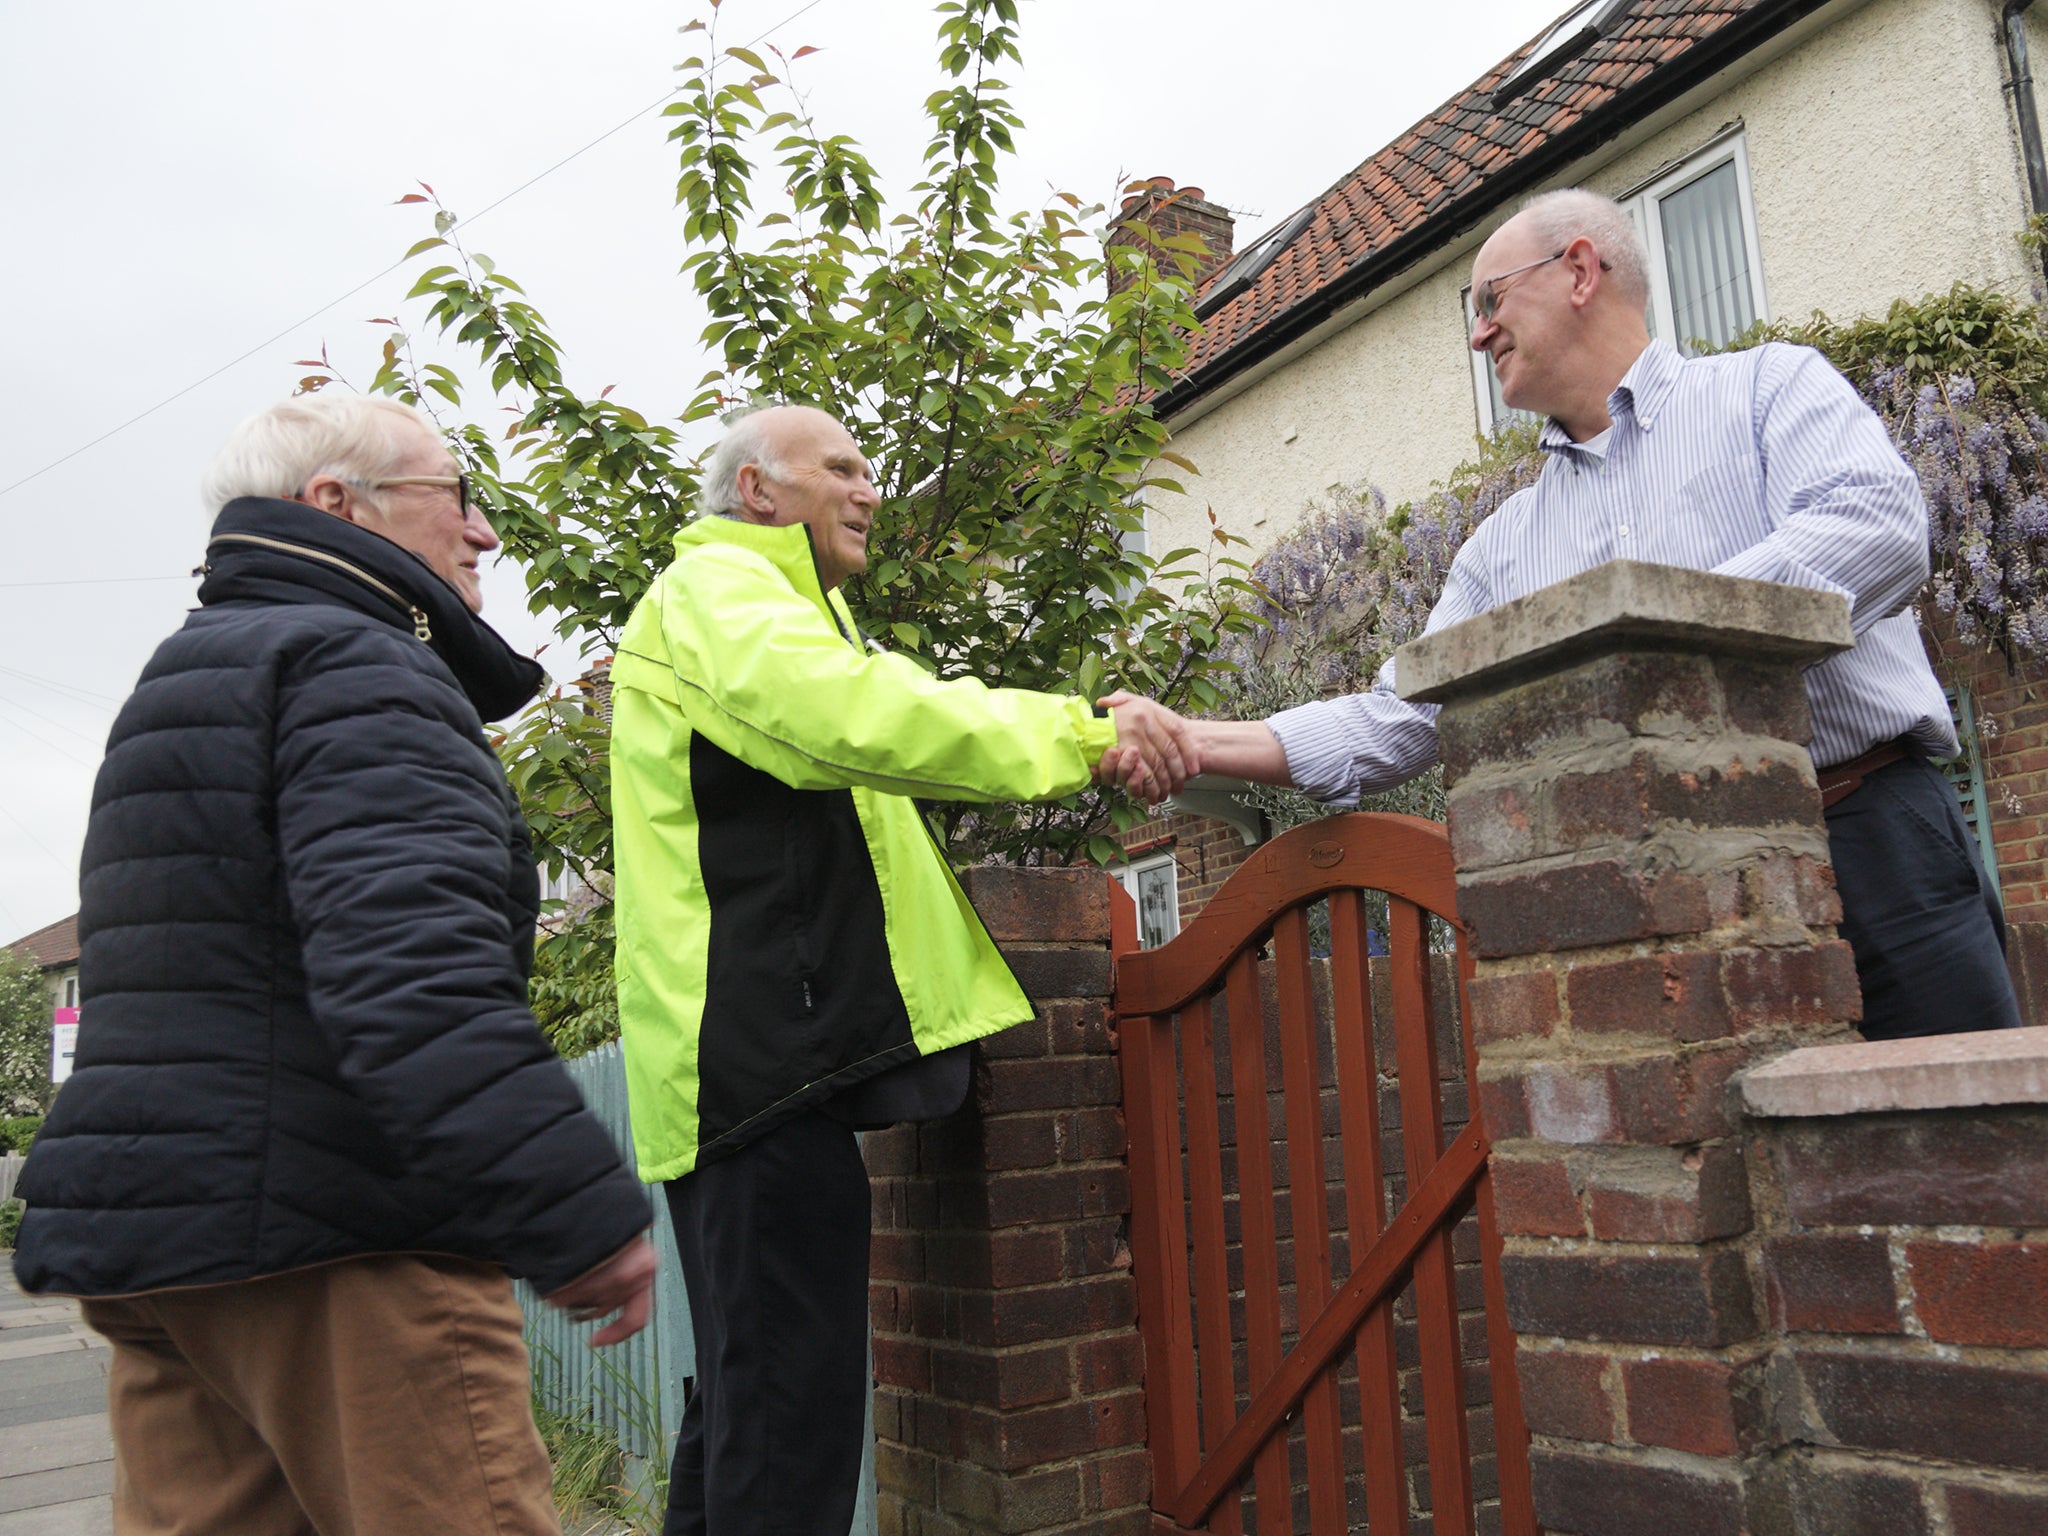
(1299, 1309)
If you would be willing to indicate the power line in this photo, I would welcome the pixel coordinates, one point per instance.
(78, 695)
(271, 341)
(97, 743)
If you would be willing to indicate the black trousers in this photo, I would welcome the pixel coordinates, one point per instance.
(1918, 908)
(774, 1245)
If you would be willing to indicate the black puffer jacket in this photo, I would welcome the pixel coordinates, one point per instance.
(306, 918)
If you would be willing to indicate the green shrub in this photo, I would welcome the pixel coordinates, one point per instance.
(10, 1222)
(17, 1133)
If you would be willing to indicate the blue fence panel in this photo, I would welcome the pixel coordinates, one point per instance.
(635, 1389)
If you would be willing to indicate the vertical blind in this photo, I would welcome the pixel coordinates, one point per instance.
(1706, 260)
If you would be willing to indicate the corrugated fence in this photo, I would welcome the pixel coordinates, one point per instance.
(635, 1389)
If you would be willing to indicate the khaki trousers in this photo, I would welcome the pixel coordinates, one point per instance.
(380, 1396)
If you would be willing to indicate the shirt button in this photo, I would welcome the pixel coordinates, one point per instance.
(1623, 530)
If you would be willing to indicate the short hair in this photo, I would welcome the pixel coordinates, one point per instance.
(1562, 216)
(747, 441)
(275, 452)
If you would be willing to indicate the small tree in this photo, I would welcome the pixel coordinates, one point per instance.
(24, 1037)
(977, 354)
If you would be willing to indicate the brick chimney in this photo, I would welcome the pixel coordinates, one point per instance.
(1168, 211)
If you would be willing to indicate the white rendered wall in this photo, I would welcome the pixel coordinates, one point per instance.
(1882, 165)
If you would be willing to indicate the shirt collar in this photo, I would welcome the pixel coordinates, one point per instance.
(1641, 394)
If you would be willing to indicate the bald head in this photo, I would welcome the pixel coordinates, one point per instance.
(784, 464)
(1558, 295)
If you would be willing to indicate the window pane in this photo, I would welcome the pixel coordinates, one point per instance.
(1158, 904)
(1706, 260)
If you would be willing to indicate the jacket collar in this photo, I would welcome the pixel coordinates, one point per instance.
(268, 550)
(1640, 394)
(787, 548)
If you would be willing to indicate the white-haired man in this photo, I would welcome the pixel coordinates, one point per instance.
(1763, 464)
(312, 1124)
(796, 960)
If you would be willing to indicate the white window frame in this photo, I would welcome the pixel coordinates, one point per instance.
(1641, 201)
(1129, 876)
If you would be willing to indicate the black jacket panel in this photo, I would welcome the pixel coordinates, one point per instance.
(306, 917)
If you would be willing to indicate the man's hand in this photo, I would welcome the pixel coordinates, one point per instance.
(1154, 753)
(623, 1283)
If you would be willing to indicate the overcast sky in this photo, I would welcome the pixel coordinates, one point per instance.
(180, 183)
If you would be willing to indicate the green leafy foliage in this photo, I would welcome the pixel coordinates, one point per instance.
(18, 1132)
(24, 1037)
(10, 1222)
(976, 353)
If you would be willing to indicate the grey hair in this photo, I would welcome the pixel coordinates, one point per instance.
(1562, 216)
(747, 441)
(275, 452)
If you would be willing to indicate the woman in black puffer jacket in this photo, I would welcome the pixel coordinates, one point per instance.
(307, 905)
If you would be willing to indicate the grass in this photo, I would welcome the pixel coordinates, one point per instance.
(599, 1490)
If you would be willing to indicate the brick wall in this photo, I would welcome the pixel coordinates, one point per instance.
(1735, 1317)
(1206, 852)
(1904, 1284)
(2012, 713)
(1008, 1367)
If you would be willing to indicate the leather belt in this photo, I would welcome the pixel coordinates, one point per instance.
(1844, 779)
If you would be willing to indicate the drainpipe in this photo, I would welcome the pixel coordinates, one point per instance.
(2013, 21)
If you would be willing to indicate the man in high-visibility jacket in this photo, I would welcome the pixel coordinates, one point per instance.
(795, 958)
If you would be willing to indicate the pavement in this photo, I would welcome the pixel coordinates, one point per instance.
(56, 1460)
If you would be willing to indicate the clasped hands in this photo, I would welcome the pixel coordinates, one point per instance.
(1155, 751)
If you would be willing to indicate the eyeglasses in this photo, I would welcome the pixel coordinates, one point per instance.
(458, 483)
(1486, 297)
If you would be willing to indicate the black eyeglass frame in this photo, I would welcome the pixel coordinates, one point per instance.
(458, 482)
(1486, 295)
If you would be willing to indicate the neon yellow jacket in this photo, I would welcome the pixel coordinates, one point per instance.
(787, 925)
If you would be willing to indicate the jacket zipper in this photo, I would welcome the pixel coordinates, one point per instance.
(421, 629)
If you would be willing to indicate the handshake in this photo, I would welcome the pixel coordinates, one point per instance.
(1156, 751)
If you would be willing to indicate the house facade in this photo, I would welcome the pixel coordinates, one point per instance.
(1781, 157)
(54, 951)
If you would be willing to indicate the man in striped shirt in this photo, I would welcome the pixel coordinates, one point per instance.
(1763, 464)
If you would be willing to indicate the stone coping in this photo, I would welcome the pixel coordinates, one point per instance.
(1994, 1066)
(1613, 605)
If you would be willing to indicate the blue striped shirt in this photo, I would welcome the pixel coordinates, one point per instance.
(1762, 463)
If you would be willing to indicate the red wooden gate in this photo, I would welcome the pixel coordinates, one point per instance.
(1223, 1385)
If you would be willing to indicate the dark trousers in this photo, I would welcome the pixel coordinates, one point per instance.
(774, 1246)
(1918, 909)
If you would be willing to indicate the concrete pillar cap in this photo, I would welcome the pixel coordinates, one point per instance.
(1623, 605)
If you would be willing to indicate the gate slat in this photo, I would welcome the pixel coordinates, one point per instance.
(1310, 1202)
(1157, 1229)
(1260, 1245)
(1436, 1291)
(1510, 1428)
(1212, 1261)
(1379, 1386)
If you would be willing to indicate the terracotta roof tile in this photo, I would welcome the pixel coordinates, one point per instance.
(52, 946)
(1449, 156)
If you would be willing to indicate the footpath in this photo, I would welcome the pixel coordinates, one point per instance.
(56, 1462)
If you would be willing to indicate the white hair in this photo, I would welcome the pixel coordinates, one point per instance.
(748, 440)
(1562, 216)
(357, 438)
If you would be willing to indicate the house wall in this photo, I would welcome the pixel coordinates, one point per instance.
(1883, 164)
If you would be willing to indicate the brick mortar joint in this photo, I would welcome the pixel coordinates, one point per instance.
(1706, 747)
(1675, 847)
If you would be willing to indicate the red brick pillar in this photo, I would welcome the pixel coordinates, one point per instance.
(1643, 863)
(1008, 1366)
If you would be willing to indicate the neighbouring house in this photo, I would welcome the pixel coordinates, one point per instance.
(55, 952)
(1780, 156)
